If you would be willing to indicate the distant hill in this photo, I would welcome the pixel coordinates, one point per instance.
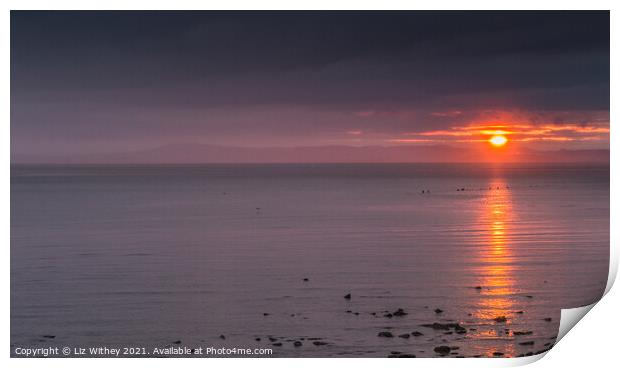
(204, 153)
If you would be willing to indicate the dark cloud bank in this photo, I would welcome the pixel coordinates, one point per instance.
(176, 86)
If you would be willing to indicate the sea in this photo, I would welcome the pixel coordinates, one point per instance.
(305, 260)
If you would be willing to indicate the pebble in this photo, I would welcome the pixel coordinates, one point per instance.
(404, 336)
(297, 344)
(438, 311)
(385, 334)
(348, 296)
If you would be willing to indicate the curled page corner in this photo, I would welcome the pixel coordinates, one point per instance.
(570, 317)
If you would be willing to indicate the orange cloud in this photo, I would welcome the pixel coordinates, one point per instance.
(355, 132)
(520, 126)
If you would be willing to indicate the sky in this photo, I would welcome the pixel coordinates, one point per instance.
(96, 83)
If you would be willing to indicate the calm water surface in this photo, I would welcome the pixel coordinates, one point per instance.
(148, 255)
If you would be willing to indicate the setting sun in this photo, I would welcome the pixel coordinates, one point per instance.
(498, 140)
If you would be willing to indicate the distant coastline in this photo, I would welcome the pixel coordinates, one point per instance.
(208, 154)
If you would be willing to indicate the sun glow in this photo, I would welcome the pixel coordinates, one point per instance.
(498, 140)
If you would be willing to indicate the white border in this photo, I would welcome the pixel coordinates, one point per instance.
(592, 343)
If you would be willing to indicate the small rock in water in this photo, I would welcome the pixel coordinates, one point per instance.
(272, 339)
(265, 314)
(438, 311)
(416, 333)
(222, 337)
(401, 356)
(478, 287)
(388, 315)
(548, 319)
(49, 336)
(318, 343)
(349, 311)
(348, 296)
(445, 326)
(297, 343)
(521, 333)
(257, 339)
(306, 279)
(177, 342)
(400, 312)
(385, 334)
(500, 319)
(404, 336)
(498, 354)
(443, 350)
(519, 312)
(277, 344)
(357, 313)
(527, 343)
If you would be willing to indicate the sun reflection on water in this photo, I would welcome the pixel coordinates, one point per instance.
(495, 306)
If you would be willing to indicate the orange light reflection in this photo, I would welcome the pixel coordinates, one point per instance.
(497, 276)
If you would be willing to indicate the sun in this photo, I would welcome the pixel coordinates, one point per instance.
(498, 140)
